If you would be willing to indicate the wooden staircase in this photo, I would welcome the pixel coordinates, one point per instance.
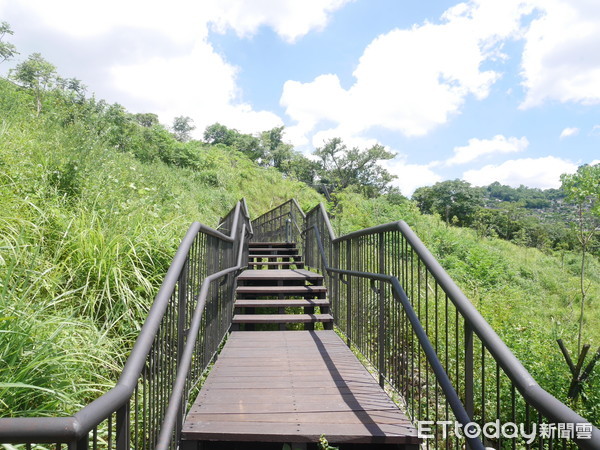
(272, 386)
(268, 296)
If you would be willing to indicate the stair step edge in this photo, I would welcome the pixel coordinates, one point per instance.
(282, 318)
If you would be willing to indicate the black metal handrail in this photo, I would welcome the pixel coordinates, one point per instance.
(133, 412)
(393, 254)
(442, 377)
(281, 224)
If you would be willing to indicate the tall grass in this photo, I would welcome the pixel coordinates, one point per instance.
(87, 232)
(529, 297)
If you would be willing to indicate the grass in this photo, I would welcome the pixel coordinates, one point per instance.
(87, 232)
(88, 229)
(529, 297)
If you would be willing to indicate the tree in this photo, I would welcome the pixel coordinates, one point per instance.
(182, 126)
(301, 168)
(583, 188)
(219, 134)
(275, 152)
(36, 74)
(449, 199)
(342, 167)
(7, 50)
(147, 120)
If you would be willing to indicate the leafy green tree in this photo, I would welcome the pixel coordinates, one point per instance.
(36, 74)
(449, 199)
(147, 120)
(7, 50)
(342, 167)
(583, 188)
(219, 134)
(301, 168)
(182, 127)
(275, 152)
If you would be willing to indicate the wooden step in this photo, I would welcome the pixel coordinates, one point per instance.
(272, 244)
(279, 274)
(273, 256)
(280, 251)
(299, 264)
(290, 303)
(285, 290)
(281, 318)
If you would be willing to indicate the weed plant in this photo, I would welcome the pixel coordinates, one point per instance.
(92, 209)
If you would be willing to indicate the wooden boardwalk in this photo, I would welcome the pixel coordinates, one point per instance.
(294, 386)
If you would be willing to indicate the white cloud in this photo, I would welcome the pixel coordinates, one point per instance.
(543, 173)
(290, 19)
(477, 148)
(177, 20)
(568, 132)
(171, 69)
(560, 58)
(181, 85)
(412, 80)
(410, 176)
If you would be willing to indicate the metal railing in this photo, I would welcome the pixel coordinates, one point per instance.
(188, 321)
(400, 309)
(281, 224)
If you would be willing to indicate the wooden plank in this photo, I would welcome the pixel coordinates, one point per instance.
(294, 386)
(279, 274)
(275, 263)
(275, 303)
(281, 318)
(282, 250)
(272, 244)
(273, 290)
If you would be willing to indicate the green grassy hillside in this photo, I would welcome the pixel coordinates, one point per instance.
(529, 297)
(93, 205)
(88, 228)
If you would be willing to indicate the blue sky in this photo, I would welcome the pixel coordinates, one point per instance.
(484, 90)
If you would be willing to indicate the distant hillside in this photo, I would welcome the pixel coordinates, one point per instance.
(527, 216)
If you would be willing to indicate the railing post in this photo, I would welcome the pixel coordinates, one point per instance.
(469, 404)
(81, 444)
(348, 293)
(122, 430)
(181, 325)
(288, 230)
(381, 337)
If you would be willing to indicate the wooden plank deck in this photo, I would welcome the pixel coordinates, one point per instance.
(294, 386)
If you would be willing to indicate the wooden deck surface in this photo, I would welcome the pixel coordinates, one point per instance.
(293, 386)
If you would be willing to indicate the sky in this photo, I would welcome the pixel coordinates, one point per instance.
(483, 90)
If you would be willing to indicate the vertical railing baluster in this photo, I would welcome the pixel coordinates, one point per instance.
(468, 375)
(348, 293)
(122, 428)
(382, 330)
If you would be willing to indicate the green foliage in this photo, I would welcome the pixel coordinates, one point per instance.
(36, 74)
(182, 127)
(93, 204)
(342, 167)
(323, 444)
(583, 187)
(450, 199)
(7, 50)
(531, 198)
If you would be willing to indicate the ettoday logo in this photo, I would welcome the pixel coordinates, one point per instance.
(510, 430)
